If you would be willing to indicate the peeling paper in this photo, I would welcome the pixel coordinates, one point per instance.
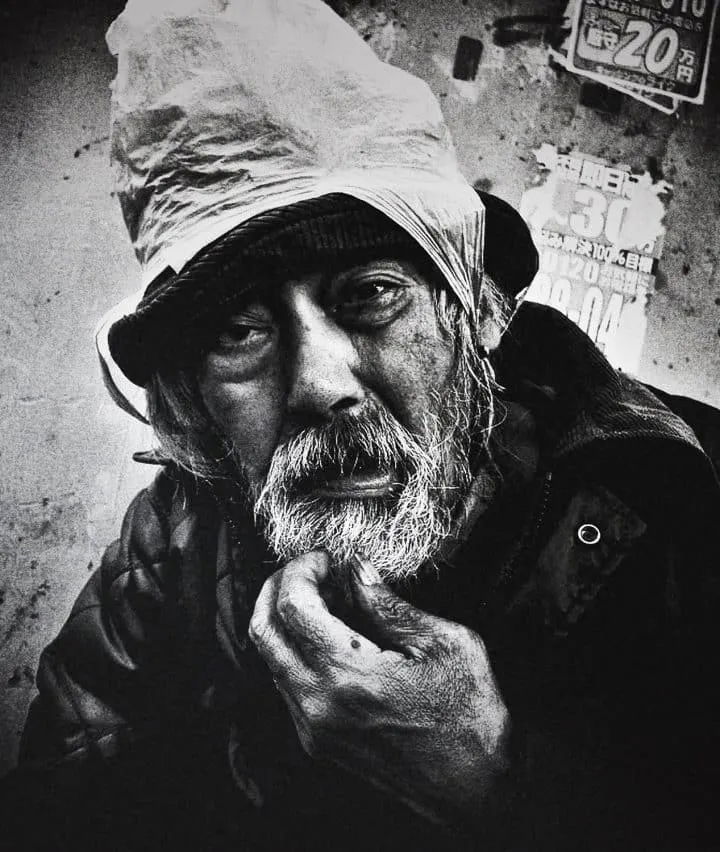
(662, 102)
(659, 46)
(599, 230)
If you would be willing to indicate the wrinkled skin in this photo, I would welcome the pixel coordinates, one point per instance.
(295, 357)
(410, 705)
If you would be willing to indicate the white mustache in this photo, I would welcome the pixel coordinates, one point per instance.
(370, 439)
(399, 534)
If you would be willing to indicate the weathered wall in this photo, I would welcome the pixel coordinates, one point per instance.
(66, 474)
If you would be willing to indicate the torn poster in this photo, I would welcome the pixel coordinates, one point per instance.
(599, 230)
(664, 103)
(659, 46)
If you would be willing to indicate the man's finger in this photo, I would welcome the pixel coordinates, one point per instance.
(393, 622)
(321, 637)
(267, 634)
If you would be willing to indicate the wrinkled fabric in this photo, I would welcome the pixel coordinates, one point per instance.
(224, 110)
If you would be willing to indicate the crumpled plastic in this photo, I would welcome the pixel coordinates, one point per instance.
(224, 109)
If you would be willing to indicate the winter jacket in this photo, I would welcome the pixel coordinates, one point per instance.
(157, 723)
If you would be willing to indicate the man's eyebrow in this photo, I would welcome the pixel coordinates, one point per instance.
(258, 293)
(343, 275)
(389, 268)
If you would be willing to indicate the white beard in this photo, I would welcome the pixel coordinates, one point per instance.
(396, 538)
(398, 535)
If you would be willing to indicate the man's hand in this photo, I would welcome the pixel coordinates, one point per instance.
(412, 706)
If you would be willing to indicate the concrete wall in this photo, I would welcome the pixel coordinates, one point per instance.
(65, 469)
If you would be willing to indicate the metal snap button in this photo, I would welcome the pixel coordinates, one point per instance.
(588, 534)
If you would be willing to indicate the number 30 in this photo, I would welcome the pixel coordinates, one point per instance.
(595, 215)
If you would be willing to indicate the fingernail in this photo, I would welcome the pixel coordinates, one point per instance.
(365, 572)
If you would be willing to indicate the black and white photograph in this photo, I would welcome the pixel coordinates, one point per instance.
(360, 426)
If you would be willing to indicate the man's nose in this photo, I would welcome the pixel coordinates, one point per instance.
(322, 369)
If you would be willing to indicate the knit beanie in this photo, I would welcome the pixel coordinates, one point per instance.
(178, 314)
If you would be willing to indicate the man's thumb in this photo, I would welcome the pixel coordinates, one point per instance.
(390, 621)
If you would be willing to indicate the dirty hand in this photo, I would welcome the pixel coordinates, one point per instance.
(412, 706)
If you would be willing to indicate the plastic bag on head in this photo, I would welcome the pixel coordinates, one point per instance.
(223, 109)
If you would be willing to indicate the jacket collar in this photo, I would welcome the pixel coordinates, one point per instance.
(596, 402)
(599, 416)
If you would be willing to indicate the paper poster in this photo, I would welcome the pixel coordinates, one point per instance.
(660, 46)
(664, 103)
(599, 231)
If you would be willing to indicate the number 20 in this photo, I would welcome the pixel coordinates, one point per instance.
(658, 51)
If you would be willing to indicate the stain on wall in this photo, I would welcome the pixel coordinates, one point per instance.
(65, 471)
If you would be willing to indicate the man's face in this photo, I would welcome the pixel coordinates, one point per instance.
(332, 391)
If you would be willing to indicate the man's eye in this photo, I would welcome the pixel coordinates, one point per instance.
(367, 291)
(243, 336)
(371, 300)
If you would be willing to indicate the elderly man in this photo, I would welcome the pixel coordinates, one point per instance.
(420, 570)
